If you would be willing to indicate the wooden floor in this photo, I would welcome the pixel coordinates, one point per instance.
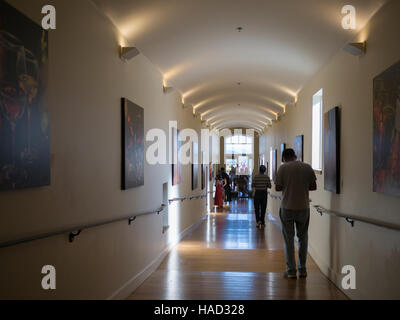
(228, 258)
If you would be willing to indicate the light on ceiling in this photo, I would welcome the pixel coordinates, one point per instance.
(356, 48)
(128, 53)
(187, 106)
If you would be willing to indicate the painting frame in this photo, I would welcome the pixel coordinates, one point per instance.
(332, 150)
(133, 154)
(274, 166)
(176, 167)
(24, 110)
(298, 147)
(283, 148)
(386, 132)
(195, 165)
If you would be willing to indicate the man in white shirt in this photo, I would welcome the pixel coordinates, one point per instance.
(295, 179)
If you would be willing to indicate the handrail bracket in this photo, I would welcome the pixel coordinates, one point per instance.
(72, 235)
(350, 221)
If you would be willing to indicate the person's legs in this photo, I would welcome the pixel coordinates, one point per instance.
(228, 192)
(287, 219)
(302, 223)
(263, 209)
(257, 207)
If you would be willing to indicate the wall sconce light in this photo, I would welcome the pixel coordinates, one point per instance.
(166, 87)
(356, 49)
(128, 53)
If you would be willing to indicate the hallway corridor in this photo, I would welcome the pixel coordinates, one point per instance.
(120, 120)
(228, 258)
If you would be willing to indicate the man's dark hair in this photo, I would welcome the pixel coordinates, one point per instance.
(222, 169)
(263, 169)
(289, 154)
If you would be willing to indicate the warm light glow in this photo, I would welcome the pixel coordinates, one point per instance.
(238, 115)
(173, 217)
(175, 71)
(140, 23)
(317, 110)
(239, 119)
(249, 107)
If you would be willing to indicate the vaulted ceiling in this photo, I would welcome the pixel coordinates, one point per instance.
(238, 62)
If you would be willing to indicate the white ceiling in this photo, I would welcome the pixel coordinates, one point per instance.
(197, 48)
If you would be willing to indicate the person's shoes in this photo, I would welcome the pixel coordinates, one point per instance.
(302, 273)
(262, 225)
(258, 224)
(290, 275)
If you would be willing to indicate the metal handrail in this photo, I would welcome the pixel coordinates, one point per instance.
(199, 196)
(352, 218)
(76, 231)
(348, 217)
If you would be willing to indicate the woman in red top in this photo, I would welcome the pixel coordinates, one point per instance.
(218, 193)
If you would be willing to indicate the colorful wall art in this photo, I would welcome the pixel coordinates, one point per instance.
(176, 164)
(132, 145)
(299, 147)
(273, 163)
(195, 165)
(332, 150)
(24, 114)
(386, 136)
(283, 148)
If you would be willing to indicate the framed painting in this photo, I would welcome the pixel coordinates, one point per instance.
(203, 172)
(261, 161)
(176, 164)
(132, 145)
(386, 132)
(195, 165)
(299, 147)
(273, 163)
(283, 148)
(332, 150)
(24, 113)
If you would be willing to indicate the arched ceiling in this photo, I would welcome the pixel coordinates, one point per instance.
(237, 79)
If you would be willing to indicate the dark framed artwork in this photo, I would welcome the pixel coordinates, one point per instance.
(203, 172)
(386, 132)
(195, 165)
(283, 148)
(132, 145)
(24, 113)
(176, 164)
(261, 160)
(299, 147)
(332, 150)
(274, 159)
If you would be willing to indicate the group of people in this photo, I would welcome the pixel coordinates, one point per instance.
(223, 184)
(295, 180)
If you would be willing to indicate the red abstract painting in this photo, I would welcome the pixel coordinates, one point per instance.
(386, 140)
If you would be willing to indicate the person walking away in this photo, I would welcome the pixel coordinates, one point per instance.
(295, 179)
(227, 185)
(261, 183)
(218, 193)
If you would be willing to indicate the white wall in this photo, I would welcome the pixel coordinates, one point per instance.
(86, 82)
(347, 82)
